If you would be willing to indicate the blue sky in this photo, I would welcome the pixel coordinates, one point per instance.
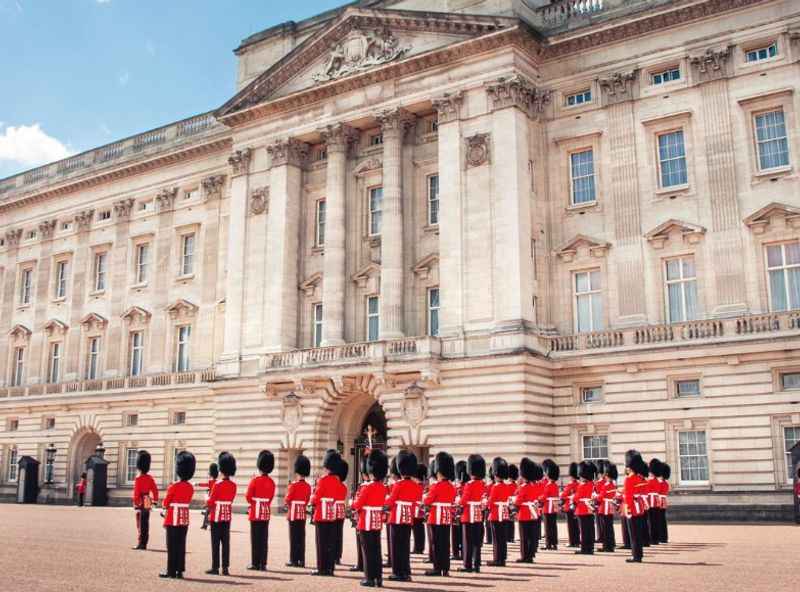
(75, 74)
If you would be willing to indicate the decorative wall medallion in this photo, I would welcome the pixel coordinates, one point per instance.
(359, 51)
(415, 405)
(291, 412)
(478, 150)
(259, 200)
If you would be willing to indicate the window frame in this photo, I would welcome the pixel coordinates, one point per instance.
(787, 455)
(682, 281)
(132, 351)
(433, 310)
(183, 348)
(54, 355)
(130, 453)
(784, 269)
(582, 389)
(591, 293)
(130, 419)
(92, 370)
(317, 324)
(320, 215)
(18, 367)
(755, 115)
(683, 157)
(593, 436)
(61, 279)
(12, 465)
(141, 265)
(370, 315)
(175, 414)
(100, 271)
(662, 71)
(187, 255)
(26, 285)
(433, 203)
(584, 100)
(371, 213)
(572, 178)
(691, 482)
(756, 49)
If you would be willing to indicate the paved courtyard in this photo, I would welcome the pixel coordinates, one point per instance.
(65, 548)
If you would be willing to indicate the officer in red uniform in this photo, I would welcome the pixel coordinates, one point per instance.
(568, 506)
(328, 490)
(145, 496)
(365, 480)
(473, 502)
(213, 473)
(526, 500)
(220, 507)
(340, 508)
(370, 507)
(439, 501)
(666, 472)
(419, 520)
(635, 489)
(513, 479)
(259, 496)
(654, 501)
(176, 515)
(80, 489)
(584, 502)
(499, 513)
(549, 499)
(391, 482)
(455, 529)
(607, 507)
(296, 500)
(402, 503)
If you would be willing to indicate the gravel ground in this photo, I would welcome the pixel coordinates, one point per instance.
(89, 549)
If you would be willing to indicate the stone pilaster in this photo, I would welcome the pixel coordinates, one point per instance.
(158, 359)
(81, 270)
(338, 139)
(118, 270)
(9, 279)
(37, 357)
(394, 124)
(213, 189)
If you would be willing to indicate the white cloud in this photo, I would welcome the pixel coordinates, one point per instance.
(29, 145)
(123, 78)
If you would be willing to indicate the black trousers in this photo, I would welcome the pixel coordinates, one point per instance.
(440, 543)
(259, 543)
(646, 529)
(664, 526)
(607, 530)
(176, 549)
(297, 542)
(586, 523)
(220, 541)
(389, 547)
(472, 535)
(326, 547)
(573, 530)
(205, 518)
(510, 531)
(80, 499)
(499, 545)
(143, 526)
(339, 540)
(487, 527)
(626, 532)
(419, 535)
(455, 540)
(371, 550)
(429, 531)
(401, 549)
(359, 554)
(551, 531)
(527, 540)
(636, 529)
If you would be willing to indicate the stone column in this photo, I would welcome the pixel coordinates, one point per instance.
(38, 357)
(118, 272)
(204, 349)
(394, 124)
(80, 271)
(158, 357)
(9, 290)
(338, 139)
(287, 158)
(230, 359)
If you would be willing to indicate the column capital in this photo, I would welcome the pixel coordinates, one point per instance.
(338, 137)
(395, 121)
(619, 87)
(212, 186)
(517, 91)
(712, 64)
(47, 228)
(123, 208)
(240, 161)
(448, 106)
(166, 199)
(287, 151)
(83, 220)
(13, 237)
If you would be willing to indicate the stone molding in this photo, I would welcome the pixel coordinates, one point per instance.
(55, 327)
(13, 237)
(83, 220)
(182, 310)
(359, 51)
(759, 221)
(310, 285)
(415, 404)
(569, 250)
(619, 87)
(478, 150)
(423, 267)
(396, 121)
(291, 412)
(239, 161)
(166, 199)
(338, 137)
(20, 333)
(123, 208)
(259, 201)
(369, 165)
(690, 233)
(288, 152)
(93, 322)
(47, 228)
(448, 106)
(712, 64)
(136, 314)
(213, 185)
(517, 91)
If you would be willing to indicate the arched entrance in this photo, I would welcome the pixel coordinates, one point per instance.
(374, 434)
(83, 446)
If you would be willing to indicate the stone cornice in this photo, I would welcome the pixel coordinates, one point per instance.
(448, 106)
(339, 137)
(517, 91)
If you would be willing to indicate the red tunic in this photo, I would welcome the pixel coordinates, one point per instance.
(327, 492)
(568, 494)
(259, 496)
(549, 497)
(369, 505)
(220, 502)
(81, 487)
(635, 488)
(176, 503)
(402, 501)
(582, 498)
(606, 494)
(419, 492)
(473, 500)
(498, 501)
(144, 485)
(663, 492)
(297, 496)
(440, 497)
(527, 496)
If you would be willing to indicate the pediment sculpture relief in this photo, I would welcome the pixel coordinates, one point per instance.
(359, 51)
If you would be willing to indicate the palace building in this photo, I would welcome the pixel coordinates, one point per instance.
(553, 228)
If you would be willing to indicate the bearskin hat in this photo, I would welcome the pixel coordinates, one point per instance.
(587, 470)
(342, 469)
(406, 463)
(666, 471)
(461, 471)
(601, 467)
(185, 465)
(538, 472)
(551, 469)
(611, 471)
(432, 469)
(422, 472)
(227, 464)
(490, 472)
(266, 462)
(573, 470)
(476, 466)
(143, 461)
(330, 460)
(526, 469)
(445, 466)
(655, 467)
(500, 468)
(213, 470)
(377, 464)
(513, 472)
(634, 461)
(302, 466)
(393, 470)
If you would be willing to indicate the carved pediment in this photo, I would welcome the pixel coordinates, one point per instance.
(311, 283)
(94, 321)
(595, 247)
(424, 266)
(369, 165)
(55, 327)
(760, 220)
(136, 314)
(363, 275)
(691, 233)
(20, 332)
(181, 309)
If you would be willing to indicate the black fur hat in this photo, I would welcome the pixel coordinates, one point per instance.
(513, 472)
(526, 469)
(406, 463)
(573, 470)
(143, 461)
(446, 466)
(377, 464)
(227, 464)
(655, 467)
(185, 465)
(422, 472)
(393, 470)
(342, 470)
(302, 466)
(330, 460)
(266, 462)
(213, 470)
(461, 471)
(500, 468)
(587, 470)
(432, 468)
(611, 471)
(666, 471)
(601, 467)
(538, 472)
(476, 466)
(551, 469)
(634, 461)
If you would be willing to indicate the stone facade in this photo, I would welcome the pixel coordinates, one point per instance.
(523, 228)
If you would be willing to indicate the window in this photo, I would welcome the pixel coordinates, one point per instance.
(687, 388)
(693, 457)
(376, 140)
(26, 286)
(100, 271)
(681, 284)
(759, 54)
(61, 280)
(49, 423)
(19, 366)
(319, 234)
(433, 312)
(130, 420)
(187, 254)
(672, 159)
(104, 215)
(30, 235)
(178, 417)
(595, 448)
(431, 125)
(182, 355)
(142, 262)
(92, 358)
(582, 175)
(11, 476)
(790, 381)
(13, 425)
(588, 302)
(55, 363)
(145, 206)
(65, 226)
(319, 154)
(137, 353)
(373, 318)
(783, 269)
(375, 204)
(190, 193)
(130, 465)
(433, 200)
(791, 436)
(591, 394)
(771, 142)
(664, 76)
(579, 98)
(316, 338)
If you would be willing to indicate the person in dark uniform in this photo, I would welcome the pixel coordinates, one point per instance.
(473, 497)
(499, 513)
(326, 493)
(455, 529)
(259, 497)
(401, 503)
(176, 515)
(365, 479)
(439, 500)
(145, 496)
(666, 472)
(635, 489)
(220, 505)
(584, 503)
(513, 479)
(526, 501)
(419, 519)
(296, 500)
(608, 507)
(568, 506)
(370, 507)
(549, 501)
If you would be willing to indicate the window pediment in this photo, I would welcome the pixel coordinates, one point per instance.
(689, 232)
(136, 314)
(310, 284)
(369, 271)
(424, 266)
(55, 327)
(761, 219)
(182, 309)
(20, 333)
(581, 243)
(94, 322)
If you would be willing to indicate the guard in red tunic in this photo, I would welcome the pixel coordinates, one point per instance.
(213, 474)
(607, 507)
(472, 504)
(439, 502)
(419, 520)
(456, 542)
(513, 480)
(340, 508)
(80, 489)
(296, 500)
(327, 492)
(635, 491)
(666, 472)
(568, 506)
(176, 515)
(259, 496)
(499, 513)
(549, 500)
(220, 507)
(370, 507)
(654, 501)
(365, 480)
(402, 502)
(584, 501)
(391, 482)
(145, 496)
(526, 500)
